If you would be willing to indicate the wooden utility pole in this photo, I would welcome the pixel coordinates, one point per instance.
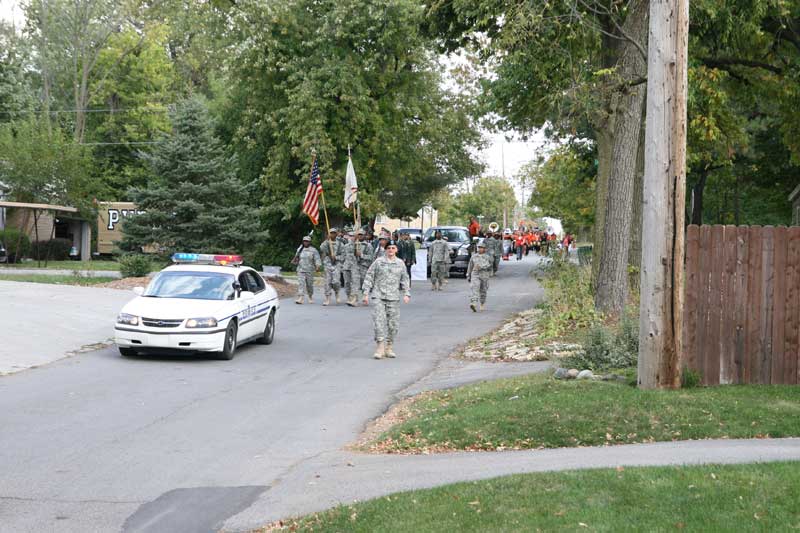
(661, 311)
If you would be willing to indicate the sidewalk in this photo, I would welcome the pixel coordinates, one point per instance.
(43, 323)
(5, 271)
(340, 477)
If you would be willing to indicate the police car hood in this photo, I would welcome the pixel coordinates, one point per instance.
(174, 308)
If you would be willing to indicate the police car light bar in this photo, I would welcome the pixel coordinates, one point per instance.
(207, 259)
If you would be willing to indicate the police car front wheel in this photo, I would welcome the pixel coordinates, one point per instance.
(229, 346)
(269, 330)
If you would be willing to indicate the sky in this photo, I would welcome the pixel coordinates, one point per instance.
(10, 10)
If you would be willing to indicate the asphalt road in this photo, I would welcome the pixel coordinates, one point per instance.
(103, 443)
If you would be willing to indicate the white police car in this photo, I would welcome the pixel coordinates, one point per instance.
(202, 303)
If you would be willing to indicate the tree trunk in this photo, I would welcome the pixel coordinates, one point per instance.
(660, 312)
(635, 252)
(612, 277)
(605, 144)
(697, 198)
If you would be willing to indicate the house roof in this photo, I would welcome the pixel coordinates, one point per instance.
(43, 207)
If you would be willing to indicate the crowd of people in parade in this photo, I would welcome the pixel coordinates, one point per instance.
(378, 268)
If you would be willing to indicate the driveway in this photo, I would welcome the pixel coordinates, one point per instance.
(103, 443)
(43, 323)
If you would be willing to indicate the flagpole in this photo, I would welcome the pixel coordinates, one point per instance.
(321, 191)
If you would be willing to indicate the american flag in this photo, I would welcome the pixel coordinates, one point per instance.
(311, 201)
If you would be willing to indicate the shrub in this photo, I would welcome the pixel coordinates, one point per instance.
(607, 347)
(134, 265)
(52, 250)
(690, 378)
(569, 305)
(10, 237)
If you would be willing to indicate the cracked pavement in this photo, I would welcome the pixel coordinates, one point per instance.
(98, 442)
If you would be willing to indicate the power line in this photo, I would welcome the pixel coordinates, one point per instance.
(121, 143)
(102, 110)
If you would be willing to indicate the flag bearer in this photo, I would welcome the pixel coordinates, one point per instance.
(478, 273)
(352, 274)
(331, 251)
(308, 262)
(385, 281)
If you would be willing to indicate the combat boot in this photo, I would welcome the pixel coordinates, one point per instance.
(380, 351)
(299, 300)
(351, 301)
(472, 306)
(482, 307)
(337, 298)
(327, 300)
(390, 351)
(310, 300)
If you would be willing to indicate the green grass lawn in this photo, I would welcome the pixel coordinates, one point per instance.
(69, 265)
(57, 280)
(539, 412)
(700, 498)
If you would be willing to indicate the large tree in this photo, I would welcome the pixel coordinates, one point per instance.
(570, 66)
(325, 75)
(194, 201)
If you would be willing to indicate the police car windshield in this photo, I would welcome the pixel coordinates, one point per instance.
(191, 285)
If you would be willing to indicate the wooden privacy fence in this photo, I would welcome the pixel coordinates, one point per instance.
(742, 304)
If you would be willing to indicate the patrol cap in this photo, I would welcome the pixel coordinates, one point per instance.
(481, 244)
(384, 237)
(360, 232)
(307, 238)
(333, 230)
(391, 242)
(351, 234)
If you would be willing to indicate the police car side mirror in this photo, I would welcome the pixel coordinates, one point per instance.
(138, 291)
(246, 295)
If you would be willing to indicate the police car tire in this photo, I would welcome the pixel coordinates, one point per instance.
(127, 352)
(229, 344)
(269, 330)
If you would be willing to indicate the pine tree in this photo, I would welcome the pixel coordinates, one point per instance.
(194, 202)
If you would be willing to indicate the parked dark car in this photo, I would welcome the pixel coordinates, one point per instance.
(460, 247)
(415, 233)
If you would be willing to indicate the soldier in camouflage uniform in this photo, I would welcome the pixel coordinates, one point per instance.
(491, 250)
(478, 273)
(367, 255)
(385, 281)
(380, 249)
(498, 251)
(332, 252)
(308, 262)
(352, 274)
(440, 261)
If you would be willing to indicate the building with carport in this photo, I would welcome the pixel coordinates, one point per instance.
(42, 222)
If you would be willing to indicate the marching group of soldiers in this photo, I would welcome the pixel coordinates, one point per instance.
(381, 269)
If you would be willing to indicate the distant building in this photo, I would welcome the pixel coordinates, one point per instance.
(795, 199)
(426, 217)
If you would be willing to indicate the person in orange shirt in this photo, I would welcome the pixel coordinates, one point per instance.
(473, 227)
(519, 244)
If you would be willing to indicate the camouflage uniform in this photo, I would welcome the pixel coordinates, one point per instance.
(478, 273)
(388, 282)
(440, 262)
(497, 253)
(352, 274)
(309, 262)
(364, 262)
(332, 267)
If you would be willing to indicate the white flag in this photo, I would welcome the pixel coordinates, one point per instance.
(350, 185)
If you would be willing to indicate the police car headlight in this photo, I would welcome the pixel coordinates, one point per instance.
(207, 322)
(130, 320)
